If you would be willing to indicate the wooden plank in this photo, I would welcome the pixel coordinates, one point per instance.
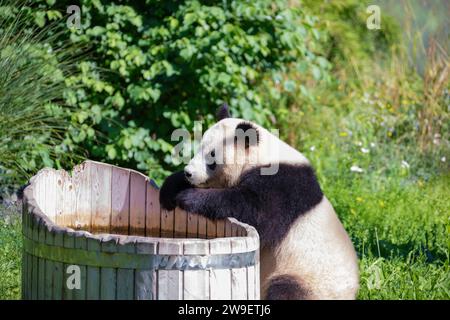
(152, 211)
(145, 280)
(120, 191)
(251, 283)
(35, 260)
(81, 294)
(108, 276)
(211, 228)
(58, 269)
(256, 246)
(238, 275)
(220, 228)
(49, 268)
(137, 204)
(196, 282)
(101, 197)
(68, 291)
(82, 186)
(26, 267)
(125, 277)
(49, 194)
(180, 227)
(69, 204)
(59, 197)
(25, 214)
(170, 282)
(167, 223)
(257, 280)
(234, 229)
(93, 273)
(45, 193)
(251, 271)
(29, 269)
(39, 190)
(202, 227)
(192, 225)
(41, 268)
(220, 279)
(228, 228)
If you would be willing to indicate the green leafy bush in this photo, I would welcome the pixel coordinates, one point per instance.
(156, 66)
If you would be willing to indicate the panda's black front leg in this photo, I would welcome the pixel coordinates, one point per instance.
(216, 203)
(172, 186)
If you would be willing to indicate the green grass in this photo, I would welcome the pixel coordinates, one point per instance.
(10, 253)
(401, 233)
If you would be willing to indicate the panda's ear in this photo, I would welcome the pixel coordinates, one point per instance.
(223, 112)
(248, 133)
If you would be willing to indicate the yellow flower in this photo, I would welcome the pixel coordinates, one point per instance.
(343, 134)
(359, 199)
(381, 203)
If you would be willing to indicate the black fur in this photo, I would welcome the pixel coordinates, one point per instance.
(244, 126)
(285, 287)
(172, 186)
(223, 112)
(270, 203)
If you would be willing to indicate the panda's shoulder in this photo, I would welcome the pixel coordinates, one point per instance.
(284, 174)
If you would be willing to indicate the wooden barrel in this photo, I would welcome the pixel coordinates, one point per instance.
(100, 234)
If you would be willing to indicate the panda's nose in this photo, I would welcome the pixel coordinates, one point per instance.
(187, 174)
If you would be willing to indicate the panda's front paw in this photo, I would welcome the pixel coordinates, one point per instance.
(189, 200)
(172, 186)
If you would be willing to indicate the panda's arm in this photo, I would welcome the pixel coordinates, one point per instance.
(257, 198)
(173, 185)
(219, 203)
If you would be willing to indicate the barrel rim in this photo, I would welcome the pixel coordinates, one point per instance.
(40, 218)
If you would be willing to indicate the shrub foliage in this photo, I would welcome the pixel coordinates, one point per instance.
(159, 65)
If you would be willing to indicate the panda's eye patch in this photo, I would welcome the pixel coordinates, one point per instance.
(212, 166)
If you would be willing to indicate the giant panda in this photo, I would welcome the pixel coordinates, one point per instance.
(305, 251)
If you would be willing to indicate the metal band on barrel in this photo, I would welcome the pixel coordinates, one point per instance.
(138, 261)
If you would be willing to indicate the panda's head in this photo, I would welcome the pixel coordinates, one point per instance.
(227, 149)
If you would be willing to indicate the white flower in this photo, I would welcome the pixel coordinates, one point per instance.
(437, 139)
(405, 164)
(372, 145)
(443, 159)
(364, 150)
(356, 169)
(312, 148)
(359, 143)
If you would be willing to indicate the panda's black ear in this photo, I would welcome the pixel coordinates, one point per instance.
(223, 112)
(248, 133)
